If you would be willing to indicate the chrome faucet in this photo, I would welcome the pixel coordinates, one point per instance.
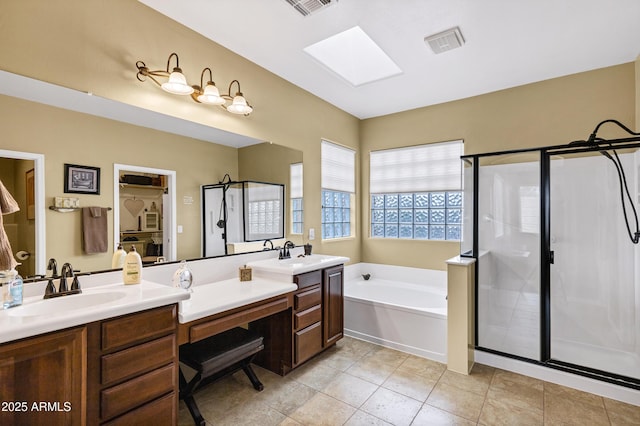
(265, 244)
(284, 253)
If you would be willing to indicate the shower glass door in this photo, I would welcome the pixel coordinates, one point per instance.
(508, 258)
(594, 286)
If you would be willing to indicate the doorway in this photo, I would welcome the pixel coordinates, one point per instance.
(37, 213)
(150, 209)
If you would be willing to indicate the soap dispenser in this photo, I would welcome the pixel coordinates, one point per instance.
(10, 288)
(117, 261)
(132, 268)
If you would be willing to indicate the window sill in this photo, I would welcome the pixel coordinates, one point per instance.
(413, 239)
(331, 240)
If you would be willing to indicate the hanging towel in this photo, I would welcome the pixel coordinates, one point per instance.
(7, 205)
(94, 230)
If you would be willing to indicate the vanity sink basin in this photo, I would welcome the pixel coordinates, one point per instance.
(298, 265)
(64, 304)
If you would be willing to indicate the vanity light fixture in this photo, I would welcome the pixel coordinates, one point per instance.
(176, 84)
(204, 93)
(210, 95)
(239, 104)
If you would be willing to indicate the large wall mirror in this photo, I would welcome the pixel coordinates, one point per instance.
(244, 158)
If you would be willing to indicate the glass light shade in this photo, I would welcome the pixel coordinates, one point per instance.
(239, 105)
(211, 96)
(177, 84)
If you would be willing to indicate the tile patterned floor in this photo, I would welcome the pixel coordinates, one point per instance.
(358, 383)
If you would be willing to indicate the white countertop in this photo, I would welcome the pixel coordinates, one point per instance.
(220, 296)
(36, 315)
(297, 264)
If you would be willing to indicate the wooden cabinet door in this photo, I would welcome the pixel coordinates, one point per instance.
(332, 300)
(43, 379)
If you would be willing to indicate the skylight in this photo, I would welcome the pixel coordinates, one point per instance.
(354, 56)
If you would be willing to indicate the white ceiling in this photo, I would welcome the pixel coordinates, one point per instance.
(508, 43)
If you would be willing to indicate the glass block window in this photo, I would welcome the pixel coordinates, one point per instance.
(416, 192)
(264, 216)
(336, 214)
(418, 216)
(338, 187)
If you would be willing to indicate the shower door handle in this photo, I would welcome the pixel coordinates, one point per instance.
(551, 257)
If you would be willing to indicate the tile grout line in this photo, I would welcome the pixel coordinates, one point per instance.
(486, 395)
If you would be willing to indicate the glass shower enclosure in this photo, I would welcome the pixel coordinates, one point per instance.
(558, 270)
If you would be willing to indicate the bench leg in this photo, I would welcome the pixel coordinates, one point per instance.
(186, 395)
(257, 385)
(195, 412)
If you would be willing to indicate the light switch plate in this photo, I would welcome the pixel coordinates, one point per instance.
(312, 234)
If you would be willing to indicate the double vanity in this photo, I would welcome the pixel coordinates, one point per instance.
(110, 354)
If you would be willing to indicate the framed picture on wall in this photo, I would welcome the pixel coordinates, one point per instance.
(81, 179)
(31, 196)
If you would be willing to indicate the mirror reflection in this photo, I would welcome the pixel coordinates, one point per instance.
(145, 212)
(17, 176)
(196, 161)
(235, 213)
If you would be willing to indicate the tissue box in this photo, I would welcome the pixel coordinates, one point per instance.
(245, 274)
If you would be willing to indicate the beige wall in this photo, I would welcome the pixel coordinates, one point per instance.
(551, 112)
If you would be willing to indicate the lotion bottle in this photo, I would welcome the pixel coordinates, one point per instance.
(117, 261)
(132, 268)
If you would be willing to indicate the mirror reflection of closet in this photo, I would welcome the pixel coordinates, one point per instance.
(144, 216)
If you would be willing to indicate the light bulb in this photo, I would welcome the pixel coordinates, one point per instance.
(211, 95)
(177, 83)
(239, 105)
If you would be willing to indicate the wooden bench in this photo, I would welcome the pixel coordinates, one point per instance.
(216, 357)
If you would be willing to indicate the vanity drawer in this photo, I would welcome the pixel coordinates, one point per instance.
(307, 317)
(308, 279)
(308, 342)
(160, 412)
(138, 327)
(133, 393)
(138, 359)
(307, 299)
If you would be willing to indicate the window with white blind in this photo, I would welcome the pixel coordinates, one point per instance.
(338, 190)
(416, 192)
(295, 194)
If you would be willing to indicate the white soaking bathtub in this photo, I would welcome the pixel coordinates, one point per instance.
(398, 307)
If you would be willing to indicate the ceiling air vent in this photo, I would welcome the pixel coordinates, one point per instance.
(446, 40)
(307, 7)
